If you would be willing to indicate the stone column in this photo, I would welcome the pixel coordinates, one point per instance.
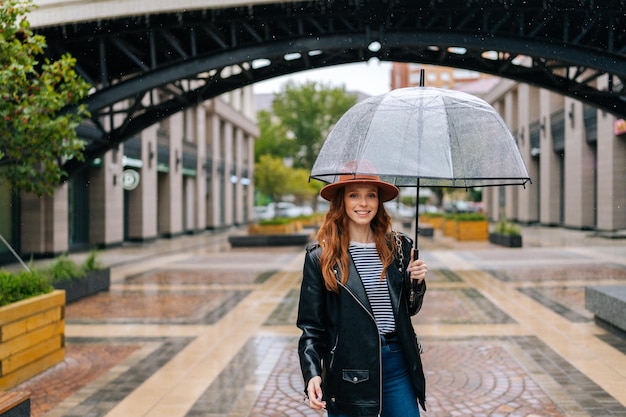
(106, 201)
(528, 200)
(511, 193)
(580, 166)
(238, 186)
(201, 168)
(170, 195)
(550, 165)
(250, 167)
(227, 159)
(142, 201)
(213, 191)
(44, 223)
(611, 203)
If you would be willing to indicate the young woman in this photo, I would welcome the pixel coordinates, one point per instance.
(358, 350)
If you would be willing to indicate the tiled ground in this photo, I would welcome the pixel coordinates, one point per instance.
(211, 332)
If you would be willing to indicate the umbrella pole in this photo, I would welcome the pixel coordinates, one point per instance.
(416, 250)
(417, 221)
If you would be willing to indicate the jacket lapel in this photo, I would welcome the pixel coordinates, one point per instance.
(394, 283)
(355, 286)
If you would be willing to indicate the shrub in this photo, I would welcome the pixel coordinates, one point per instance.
(432, 214)
(16, 286)
(469, 217)
(92, 263)
(64, 269)
(277, 221)
(306, 217)
(508, 229)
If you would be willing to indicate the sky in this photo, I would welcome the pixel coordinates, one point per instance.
(372, 78)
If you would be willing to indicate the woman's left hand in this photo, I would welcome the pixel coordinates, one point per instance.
(417, 269)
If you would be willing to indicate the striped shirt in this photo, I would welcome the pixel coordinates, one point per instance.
(369, 266)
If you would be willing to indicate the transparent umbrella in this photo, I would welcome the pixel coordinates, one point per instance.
(423, 136)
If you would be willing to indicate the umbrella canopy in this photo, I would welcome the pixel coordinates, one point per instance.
(423, 136)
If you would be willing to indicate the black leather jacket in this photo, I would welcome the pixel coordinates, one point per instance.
(340, 340)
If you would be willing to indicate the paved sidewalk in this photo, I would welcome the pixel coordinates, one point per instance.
(192, 327)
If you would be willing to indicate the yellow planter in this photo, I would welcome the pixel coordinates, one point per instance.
(313, 221)
(32, 337)
(271, 229)
(472, 230)
(435, 222)
(448, 227)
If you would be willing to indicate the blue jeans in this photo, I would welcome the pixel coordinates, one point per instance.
(399, 399)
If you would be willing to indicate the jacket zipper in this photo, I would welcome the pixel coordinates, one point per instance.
(332, 352)
(380, 356)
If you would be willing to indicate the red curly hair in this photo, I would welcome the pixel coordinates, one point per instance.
(333, 237)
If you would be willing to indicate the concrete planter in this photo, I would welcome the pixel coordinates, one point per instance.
(284, 239)
(31, 337)
(511, 241)
(92, 283)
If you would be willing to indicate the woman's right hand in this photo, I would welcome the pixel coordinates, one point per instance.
(314, 390)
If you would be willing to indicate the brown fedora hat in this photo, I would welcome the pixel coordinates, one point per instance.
(386, 191)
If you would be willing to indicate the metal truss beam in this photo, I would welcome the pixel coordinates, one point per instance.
(146, 68)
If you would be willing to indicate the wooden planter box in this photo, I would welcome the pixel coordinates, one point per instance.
(15, 404)
(448, 227)
(314, 221)
(435, 222)
(472, 230)
(32, 337)
(271, 229)
(92, 283)
(511, 241)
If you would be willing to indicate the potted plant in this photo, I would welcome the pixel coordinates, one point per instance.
(31, 326)
(471, 226)
(448, 225)
(434, 219)
(32, 311)
(79, 280)
(277, 225)
(506, 234)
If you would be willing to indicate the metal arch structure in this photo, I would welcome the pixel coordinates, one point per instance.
(146, 68)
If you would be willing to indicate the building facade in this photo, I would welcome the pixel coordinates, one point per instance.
(409, 75)
(575, 156)
(575, 153)
(189, 173)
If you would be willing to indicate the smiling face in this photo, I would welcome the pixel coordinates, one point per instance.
(361, 203)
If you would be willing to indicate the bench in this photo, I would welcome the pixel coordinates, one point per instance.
(425, 229)
(15, 404)
(608, 305)
(288, 239)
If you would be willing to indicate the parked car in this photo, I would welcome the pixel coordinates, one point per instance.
(400, 210)
(281, 209)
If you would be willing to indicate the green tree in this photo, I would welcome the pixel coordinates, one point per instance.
(306, 113)
(272, 177)
(36, 138)
(301, 187)
(273, 138)
(275, 180)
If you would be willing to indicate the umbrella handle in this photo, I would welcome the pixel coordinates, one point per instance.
(417, 220)
(417, 198)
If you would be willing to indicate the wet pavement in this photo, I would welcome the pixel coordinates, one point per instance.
(191, 327)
